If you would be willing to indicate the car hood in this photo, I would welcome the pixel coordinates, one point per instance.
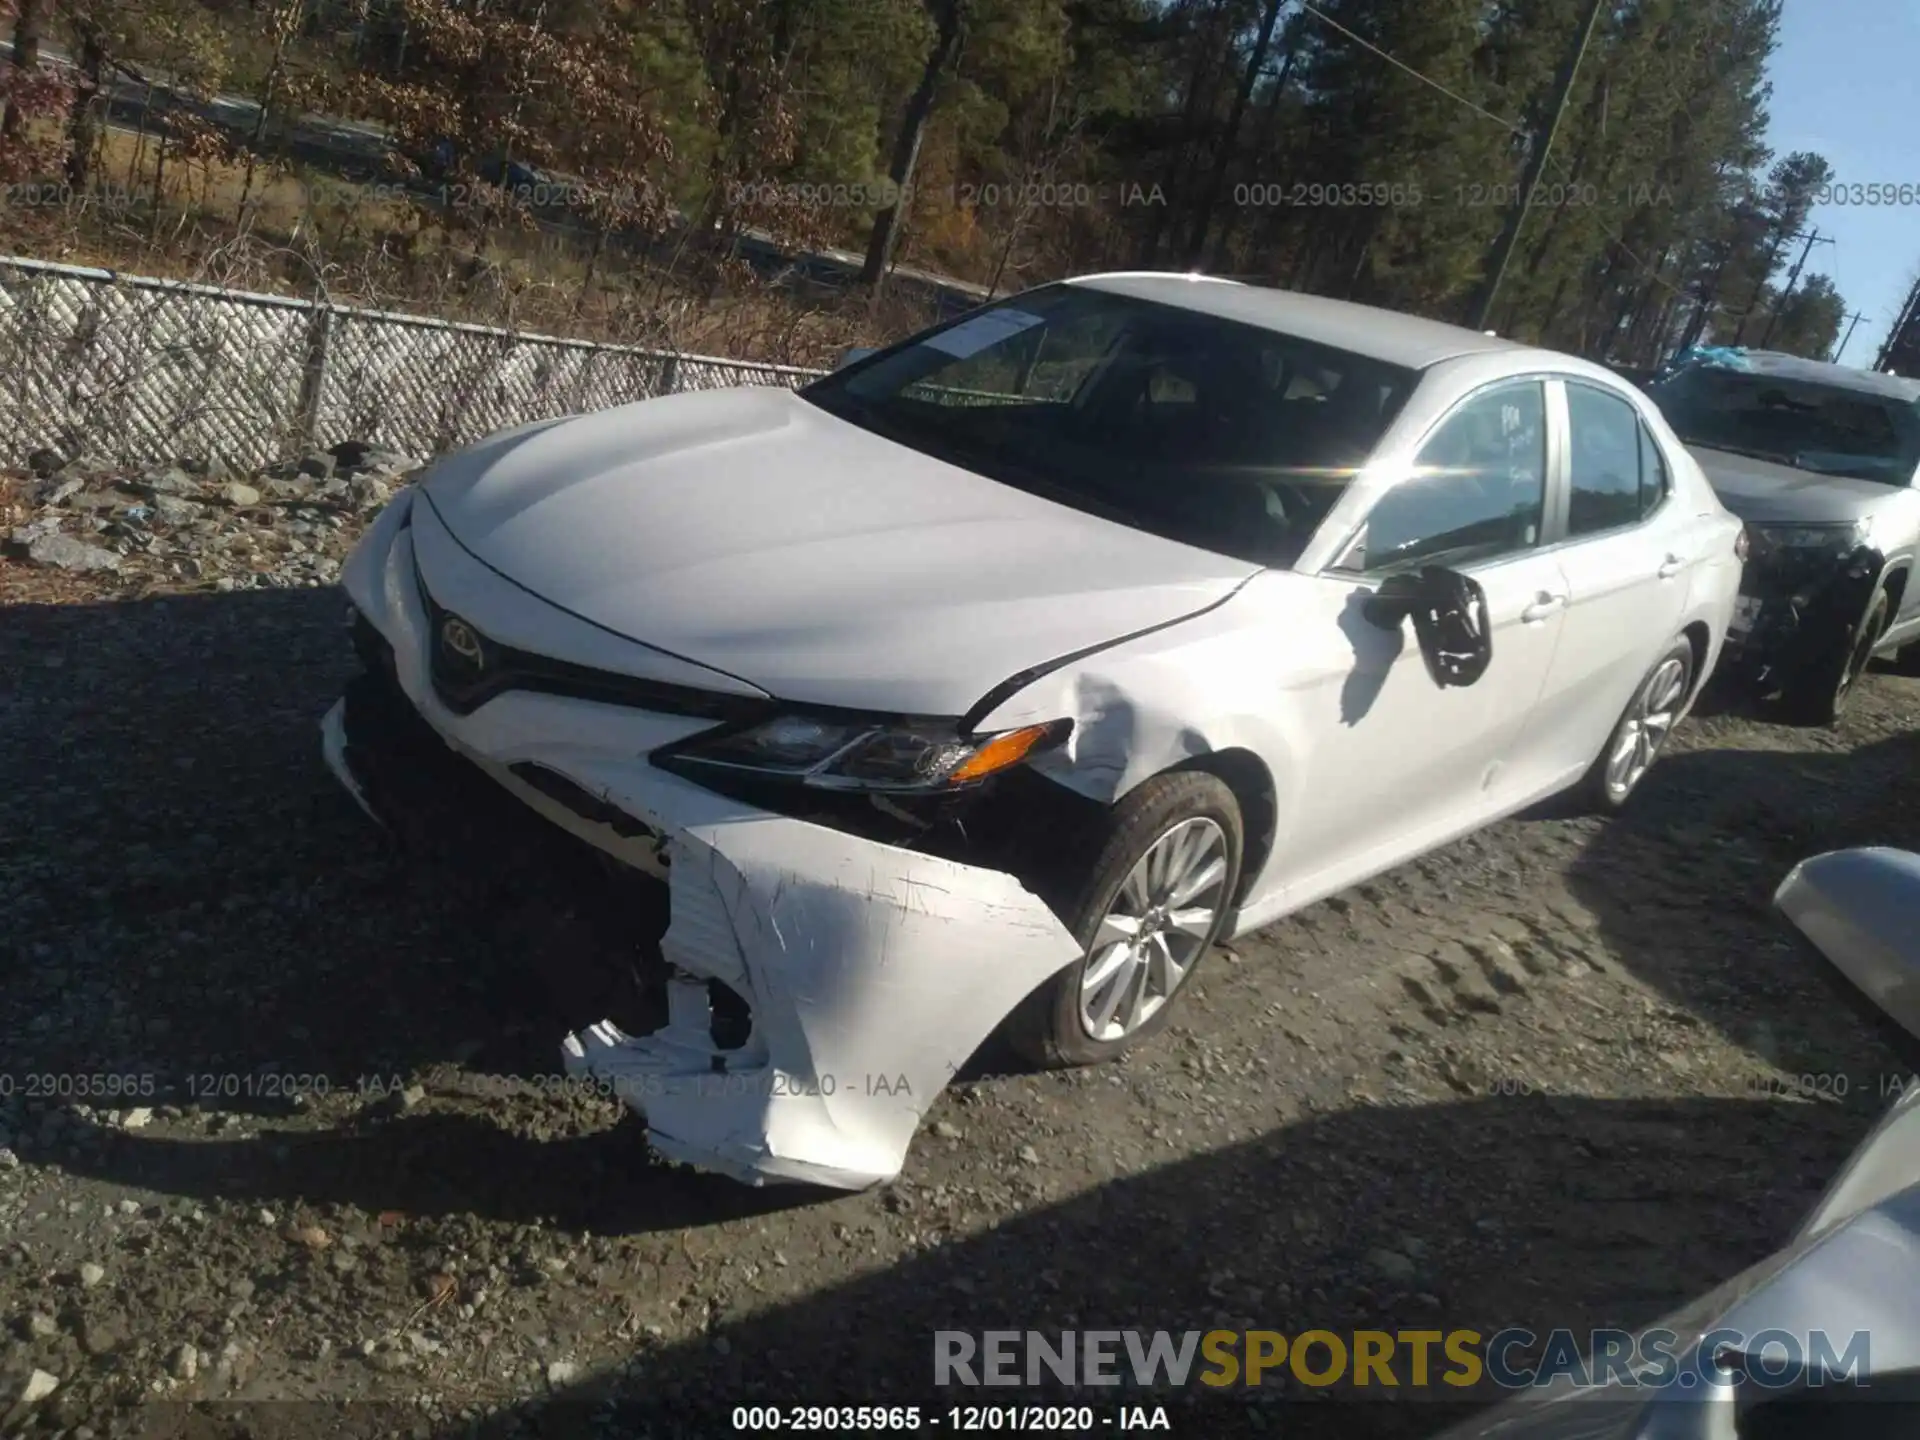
(752, 532)
(1763, 493)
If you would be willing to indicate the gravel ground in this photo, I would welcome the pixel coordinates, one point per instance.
(1548, 1076)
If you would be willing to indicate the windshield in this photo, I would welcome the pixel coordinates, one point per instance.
(1230, 437)
(1828, 429)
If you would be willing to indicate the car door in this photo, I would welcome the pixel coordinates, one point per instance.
(1627, 550)
(1397, 763)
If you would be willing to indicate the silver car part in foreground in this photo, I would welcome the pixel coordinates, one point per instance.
(1854, 1264)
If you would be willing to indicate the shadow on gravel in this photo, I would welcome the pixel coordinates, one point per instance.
(1431, 1217)
(199, 917)
(192, 903)
(196, 909)
(1685, 876)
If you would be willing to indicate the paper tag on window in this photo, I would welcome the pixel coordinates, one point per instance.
(970, 337)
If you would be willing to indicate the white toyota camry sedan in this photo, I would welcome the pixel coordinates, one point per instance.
(985, 683)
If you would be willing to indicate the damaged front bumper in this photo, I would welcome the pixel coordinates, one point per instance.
(869, 973)
(1794, 612)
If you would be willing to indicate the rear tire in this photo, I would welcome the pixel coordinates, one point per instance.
(1641, 733)
(1819, 695)
(1154, 892)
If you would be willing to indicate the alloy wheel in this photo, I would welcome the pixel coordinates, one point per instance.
(1647, 726)
(1155, 930)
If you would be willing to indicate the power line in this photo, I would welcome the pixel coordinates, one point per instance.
(1542, 148)
(1639, 263)
(1367, 44)
(1645, 270)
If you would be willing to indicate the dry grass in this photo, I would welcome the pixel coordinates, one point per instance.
(301, 233)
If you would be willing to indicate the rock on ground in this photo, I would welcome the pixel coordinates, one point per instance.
(194, 522)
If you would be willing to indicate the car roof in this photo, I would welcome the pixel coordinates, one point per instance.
(1815, 372)
(1386, 335)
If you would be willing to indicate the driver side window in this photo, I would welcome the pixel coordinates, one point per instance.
(1478, 490)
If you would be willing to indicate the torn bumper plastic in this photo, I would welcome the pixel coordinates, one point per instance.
(1793, 615)
(870, 973)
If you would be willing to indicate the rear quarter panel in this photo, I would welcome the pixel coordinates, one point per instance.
(1713, 531)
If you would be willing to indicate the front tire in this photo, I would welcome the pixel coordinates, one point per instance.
(1819, 695)
(1637, 740)
(1146, 908)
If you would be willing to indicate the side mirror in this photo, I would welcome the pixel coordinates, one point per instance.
(854, 355)
(1449, 614)
(1857, 910)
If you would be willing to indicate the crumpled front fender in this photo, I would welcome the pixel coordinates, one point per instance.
(872, 974)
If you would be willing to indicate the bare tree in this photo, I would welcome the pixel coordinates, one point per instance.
(949, 20)
(26, 62)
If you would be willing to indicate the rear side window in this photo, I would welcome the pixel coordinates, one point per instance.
(1654, 481)
(1616, 474)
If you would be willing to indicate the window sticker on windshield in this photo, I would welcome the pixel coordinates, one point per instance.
(970, 337)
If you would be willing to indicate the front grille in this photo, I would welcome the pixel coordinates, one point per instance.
(469, 668)
(442, 802)
(589, 807)
(1799, 570)
(580, 922)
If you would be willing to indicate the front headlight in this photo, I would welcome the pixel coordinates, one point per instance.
(859, 754)
(1840, 539)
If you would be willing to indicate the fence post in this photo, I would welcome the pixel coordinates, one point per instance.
(313, 376)
(670, 374)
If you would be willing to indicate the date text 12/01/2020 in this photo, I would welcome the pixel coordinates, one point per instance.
(201, 1087)
(1312, 195)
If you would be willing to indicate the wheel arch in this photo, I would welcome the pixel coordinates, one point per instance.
(1700, 639)
(1252, 784)
(1894, 582)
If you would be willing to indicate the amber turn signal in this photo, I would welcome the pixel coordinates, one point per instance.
(1001, 752)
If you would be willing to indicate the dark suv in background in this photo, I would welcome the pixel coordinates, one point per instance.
(1821, 463)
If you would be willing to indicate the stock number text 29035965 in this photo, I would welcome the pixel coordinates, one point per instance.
(1312, 195)
(1075, 1420)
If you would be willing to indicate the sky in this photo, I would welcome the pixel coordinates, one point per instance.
(1846, 83)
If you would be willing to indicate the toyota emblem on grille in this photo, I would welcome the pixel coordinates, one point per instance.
(458, 639)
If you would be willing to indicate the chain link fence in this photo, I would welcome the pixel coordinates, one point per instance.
(137, 370)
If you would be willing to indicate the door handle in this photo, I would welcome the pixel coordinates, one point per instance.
(1544, 604)
(1671, 567)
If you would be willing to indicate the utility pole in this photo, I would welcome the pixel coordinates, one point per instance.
(1541, 146)
(1793, 278)
(1841, 348)
(1760, 285)
(1894, 336)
